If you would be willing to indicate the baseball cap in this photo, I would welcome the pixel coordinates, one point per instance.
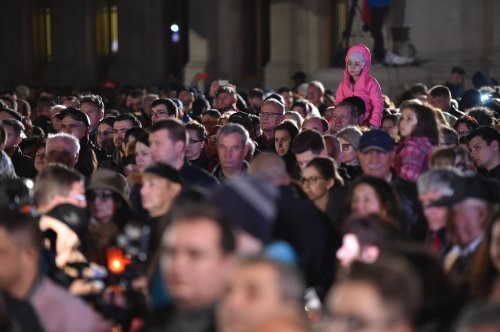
(77, 219)
(164, 171)
(76, 114)
(464, 187)
(376, 139)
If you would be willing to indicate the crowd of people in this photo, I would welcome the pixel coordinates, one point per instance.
(298, 209)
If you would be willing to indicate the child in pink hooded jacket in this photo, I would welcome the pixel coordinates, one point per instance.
(357, 82)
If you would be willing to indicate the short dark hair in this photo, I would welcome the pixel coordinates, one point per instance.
(21, 227)
(487, 133)
(288, 126)
(128, 117)
(213, 112)
(393, 117)
(308, 140)
(191, 213)
(200, 129)
(440, 91)
(109, 120)
(358, 103)
(483, 115)
(169, 104)
(17, 116)
(134, 131)
(143, 138)
(373, 230)
(225, 89)
(95, 100)
(458, 70)
(54, 179)
(17, 125)
(176, 130)
(284, 89)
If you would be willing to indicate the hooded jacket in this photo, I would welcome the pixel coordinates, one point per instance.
(366, 87)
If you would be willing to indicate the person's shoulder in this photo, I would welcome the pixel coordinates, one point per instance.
(192, 174)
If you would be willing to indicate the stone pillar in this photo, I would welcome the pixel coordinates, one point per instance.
(282, 62)
(142, 35)
(203, 44)
(15, 36)
(73, 44)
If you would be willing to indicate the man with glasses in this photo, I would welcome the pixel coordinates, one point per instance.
(162, 109)
(272, 113)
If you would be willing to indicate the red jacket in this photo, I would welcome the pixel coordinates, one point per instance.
(366, 87)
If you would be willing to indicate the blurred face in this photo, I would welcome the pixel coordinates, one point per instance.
(313, 123)
(441, 102)
(192, 263)
(224, 101)
(156, 194)
(357, 306)
(365, 201)
(495, 245)
(163, 149)
(376, 163)
(436, 215)
(10, 259)
(462, 129)
(119, 130)
(142, 156)
(456, 79)
(348, 154)
(159, 113)
(60, 151)
(231, 151)
(104, 137)
(251, 297)
(12, 139)
(73, 127)
(388, 125)
(315, 185)
(484, 155)
(270, 116)
(288, 96)
(314, 94)
(102, 205)
(407, 122)
(195, 145)
(282, 140)
(304, 158)
(55, 121)
(209, 122)
(39, 161)
(354, 68)
(187, 99)
(342, 118)
(300, 110)
(350, 249)
(95, 115)
(466, 222)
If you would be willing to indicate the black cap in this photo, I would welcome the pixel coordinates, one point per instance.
(77, 219)
(76, 114)
(464, 187)
(376, 139)
(186, 88)
(164, 171)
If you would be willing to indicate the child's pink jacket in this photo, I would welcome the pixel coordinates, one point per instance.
(366, 87)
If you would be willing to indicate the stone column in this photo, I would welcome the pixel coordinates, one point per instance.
(15, 36)
(142, 35)
(73, 44)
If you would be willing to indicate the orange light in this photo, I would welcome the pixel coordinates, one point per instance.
(117, 262)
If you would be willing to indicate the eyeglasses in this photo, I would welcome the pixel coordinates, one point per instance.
(161, 113)
(194, 141)
(105, 133)
(103, 196)
(310, 180)
(267, 115)
(345, 147)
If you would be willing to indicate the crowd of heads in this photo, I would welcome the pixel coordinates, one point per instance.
(256, 210)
